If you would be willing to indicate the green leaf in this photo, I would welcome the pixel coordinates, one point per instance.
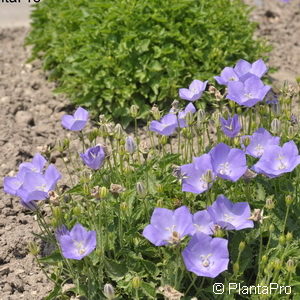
(114, 269)
(52, 259)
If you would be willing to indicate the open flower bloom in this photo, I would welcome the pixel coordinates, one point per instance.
(228, 163)
(194, 92)
(231, 127)
(244, 69)
(77, 243)
(198, 176)
(247, 93)
(36, 186)
(229, 215)
(166, 126)
(93, 157)
(206, 256)
(182, 114)
(203, 222)
(77, 121)
(277, 160)
(11, 184)
(36, 165)
(228, 74)
(168, 227)
(259, 140)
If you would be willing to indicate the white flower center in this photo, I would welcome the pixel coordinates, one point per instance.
(42, 187)
(205, 260)
(248, 96)
(282, 165)
(228, 218)
(175, 236)
(224, 169)
(80, 249)
(259, 150)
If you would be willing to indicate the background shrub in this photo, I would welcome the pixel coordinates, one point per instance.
(108, 55)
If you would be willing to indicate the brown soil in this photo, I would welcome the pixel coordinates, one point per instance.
(30, 119)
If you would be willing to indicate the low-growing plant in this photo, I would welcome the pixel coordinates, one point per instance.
(203, 206)
(109, 55)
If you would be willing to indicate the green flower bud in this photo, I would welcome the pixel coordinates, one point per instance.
(275, 126)
(33, 248)
(277, 265)
(288, 200)
(270, 203)
(155, 112)
(123, 206)
(264, 259)
(164, 140)
(200, 117)
(239, 110)
(189, 117)
(77, 211)
(290, 266)
(236, 268)
(134, 109)
(119, 133)
(136, 282)
(242, 246)
(271, 228)
(103, 192)
(282, 240)
(140, 189)
(289, 237)
(109, 291)
(246, 141)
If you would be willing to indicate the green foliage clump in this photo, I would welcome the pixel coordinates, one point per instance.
(108, 55)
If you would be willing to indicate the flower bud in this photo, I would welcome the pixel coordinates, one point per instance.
(291, 132)
(134, 109)
(282, 240)
(189, 118)
(242, 246)
(264, 259)
(289, 237)
(275, 126)
(271, 228)
(155, 112)
(123, 206)
(200, 117)
(116, 189)
(118, 131)
(239, 110)
(109, 291)
(103, 192)
(77, 211)
(130, 145)
(246, 141)
(290, 266)
(160, 188)
(136, 282)
(288, 200)
(236, 268)
(140, 189)
(277, 264)
(33, 248)
(270, 203)
(163, 140)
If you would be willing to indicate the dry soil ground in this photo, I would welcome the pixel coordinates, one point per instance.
(30, 119)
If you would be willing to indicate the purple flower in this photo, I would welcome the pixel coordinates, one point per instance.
(36, 165)
(93, 157)
(194, 92)
(182, 114)
(277, 160)
(245, 69)
(231, 127)
(11, 185)
(198, 176)
(130, 145)
(228, 74)
(259, 140)
(247, 93)
(77, 243)
(36, 186)
(76, 122)
(168, 227)
(206, 256)
(242, 71)
(203, 222)
(166, 126)
(229, 215)
(228, 163)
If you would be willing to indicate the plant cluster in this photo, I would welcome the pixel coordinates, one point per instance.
(169, 216)
(107, 61)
